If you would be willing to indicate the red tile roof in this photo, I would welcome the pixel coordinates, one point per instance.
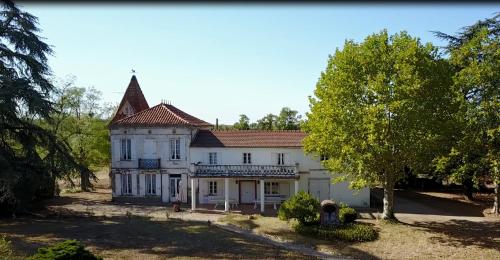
(133, 95)
(160, 115)
(248, 138)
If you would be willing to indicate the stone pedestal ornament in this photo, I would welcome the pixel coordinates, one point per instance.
(329, 213)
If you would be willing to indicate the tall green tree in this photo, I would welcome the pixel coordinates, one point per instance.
(268, 122)
(31, 157)
(378, 108)
(243, 123)
(80, 120)
(475, 55)
(288, 119)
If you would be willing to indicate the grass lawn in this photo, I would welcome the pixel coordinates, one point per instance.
(138, 238)
(452, 240)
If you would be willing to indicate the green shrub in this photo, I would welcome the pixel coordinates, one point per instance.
(66, 250)
(347, 215)
(352, 232)
(5, 248)
(303, 207)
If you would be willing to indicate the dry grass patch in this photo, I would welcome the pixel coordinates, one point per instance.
(138, 238)
(458, 240)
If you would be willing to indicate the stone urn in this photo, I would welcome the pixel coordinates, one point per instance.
(329, 213)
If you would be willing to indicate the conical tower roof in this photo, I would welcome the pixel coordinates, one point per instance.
(133, 101)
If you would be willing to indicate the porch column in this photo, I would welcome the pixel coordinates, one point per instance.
(226, 194)
(193, 195)
(296, 187)
(262, 196)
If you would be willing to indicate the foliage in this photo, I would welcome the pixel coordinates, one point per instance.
(302, 206)
(268, 122)
(475, 56)
(31, 157)
(69, 249)
(347, 215)
(243, 123)
(6, 251)
(79, 121)
(354, 232)
(288, 119)
(380, 106)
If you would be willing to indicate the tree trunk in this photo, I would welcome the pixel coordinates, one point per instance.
(85, 180)
(468, 187)
(388, 212)
(496, 203)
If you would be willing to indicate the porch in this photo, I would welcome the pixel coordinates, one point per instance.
(244, 209)
(246, 188)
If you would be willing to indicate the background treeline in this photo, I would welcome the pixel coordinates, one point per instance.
(287, 119)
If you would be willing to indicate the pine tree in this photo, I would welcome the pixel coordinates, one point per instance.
(475, 153)
(31, 158)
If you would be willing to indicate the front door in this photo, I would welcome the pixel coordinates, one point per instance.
(247, 191)
(175, 187)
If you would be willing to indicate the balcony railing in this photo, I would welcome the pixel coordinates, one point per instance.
(245, 170)
(149, 163)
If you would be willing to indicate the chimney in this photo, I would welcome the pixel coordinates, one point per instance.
(216, 124)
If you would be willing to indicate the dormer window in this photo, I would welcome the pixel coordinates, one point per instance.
(128, 110)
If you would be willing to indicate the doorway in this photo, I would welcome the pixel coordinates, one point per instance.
(247, 191)
(175, 180)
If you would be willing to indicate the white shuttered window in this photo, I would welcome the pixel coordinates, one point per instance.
(175, 148)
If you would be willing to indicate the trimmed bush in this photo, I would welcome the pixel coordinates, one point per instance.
(352, 232)
(5, 248)
(66, 250)
(347, 215)
(303, 207)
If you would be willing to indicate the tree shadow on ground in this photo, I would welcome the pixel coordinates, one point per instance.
(170, 238)
(412, 202)
(462, 233)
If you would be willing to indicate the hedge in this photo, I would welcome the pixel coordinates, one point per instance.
(66, 250)
(354, 232)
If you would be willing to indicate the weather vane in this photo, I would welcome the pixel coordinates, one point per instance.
(133, 71)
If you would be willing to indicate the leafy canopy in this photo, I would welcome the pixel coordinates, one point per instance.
(474, 150)
(379, 106)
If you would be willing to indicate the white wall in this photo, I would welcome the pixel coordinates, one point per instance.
(308, 168)
(161, 140)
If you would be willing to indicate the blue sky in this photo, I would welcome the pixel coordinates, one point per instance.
(220, 61)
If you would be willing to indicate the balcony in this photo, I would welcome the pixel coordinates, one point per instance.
(279, 171)
(149, 163)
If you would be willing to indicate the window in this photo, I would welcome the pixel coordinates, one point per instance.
(128, 111)
(212, 188)
(175, 149)
(281, 159)
(247, 158)
(271, 188)
(212, 158)
(323, 157)
(151, 184)
(126, 151)
(126, 184)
